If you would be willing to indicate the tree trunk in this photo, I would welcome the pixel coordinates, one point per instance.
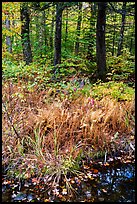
(78, 28)
(58, 30)
(46, 32)
(42, 32)
(91, 37)
(37, 26)
(131, 45)
(120, 44)
(8, 38)
(37, 47)
(25, 20)
(100, 41)
(113, 46)
(52, 29)
(66, 30)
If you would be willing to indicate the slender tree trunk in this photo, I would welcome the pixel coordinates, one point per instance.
(8, 38)
(46, 33)
(131, 44)
(91, 37)
(66, 30)
(78, 28)
(52, 29)
(120, 44)
(41, 29)
(113, 46)
(37, 26)
(31, 32)
(58, 30)
(100, 41)
(25, 20)
(42, 32)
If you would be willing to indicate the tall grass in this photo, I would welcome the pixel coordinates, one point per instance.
(51, 135)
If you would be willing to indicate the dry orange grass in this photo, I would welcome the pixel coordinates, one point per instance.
(60, 125)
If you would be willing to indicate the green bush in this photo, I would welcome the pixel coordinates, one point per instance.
(121, 67)
(116, 90)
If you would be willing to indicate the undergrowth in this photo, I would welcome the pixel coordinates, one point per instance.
(46, 134)
(50, 123)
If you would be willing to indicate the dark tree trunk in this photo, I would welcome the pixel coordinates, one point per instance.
(58, 30)
(78, 28)
(131, 44)
(120, 44)
(8, 38)
(25, 20)
(100, 41)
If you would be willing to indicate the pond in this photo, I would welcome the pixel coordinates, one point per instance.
(110, 182)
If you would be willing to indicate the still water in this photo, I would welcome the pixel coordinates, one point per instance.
(104, 184)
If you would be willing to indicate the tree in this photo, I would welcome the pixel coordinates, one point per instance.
(78, 28)
(100, 41)
(66, 28)
(42, 32)
(121, 28)
(58, 29)
(8, 38)
(113, 42)
(60, 6)
(91, 34)
(25, 20)
(52, 29)
(120, 43)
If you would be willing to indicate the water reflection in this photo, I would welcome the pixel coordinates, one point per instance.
(119, 183)
(109, 185)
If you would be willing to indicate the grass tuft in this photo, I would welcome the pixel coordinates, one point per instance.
(48, 137)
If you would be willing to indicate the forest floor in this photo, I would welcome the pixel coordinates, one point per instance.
(59, 133)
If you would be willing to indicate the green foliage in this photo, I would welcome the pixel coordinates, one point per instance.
(121, 67)
(11, 70)
(34, 73)
(116, 90)
(40, 75)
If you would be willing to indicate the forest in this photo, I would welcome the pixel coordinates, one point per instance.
(68, 101)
